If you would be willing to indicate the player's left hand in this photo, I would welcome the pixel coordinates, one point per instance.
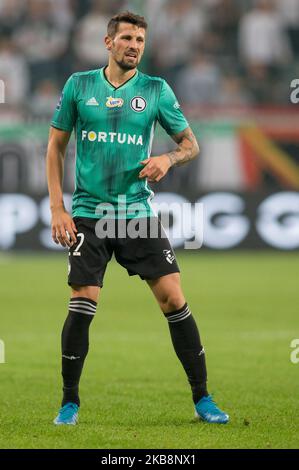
(155, 168)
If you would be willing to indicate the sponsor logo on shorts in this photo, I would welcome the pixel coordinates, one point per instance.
(169, 256)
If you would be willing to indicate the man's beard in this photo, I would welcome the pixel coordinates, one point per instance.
(125, 65)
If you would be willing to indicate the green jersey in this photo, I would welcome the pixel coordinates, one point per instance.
(114, 129)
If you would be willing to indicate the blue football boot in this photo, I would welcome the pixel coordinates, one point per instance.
(68, 414)
(207, 410)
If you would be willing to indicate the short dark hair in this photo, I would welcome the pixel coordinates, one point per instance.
(125, 17)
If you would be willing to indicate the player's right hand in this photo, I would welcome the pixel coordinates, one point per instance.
(63, 228)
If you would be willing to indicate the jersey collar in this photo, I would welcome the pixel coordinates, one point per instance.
(121, 87)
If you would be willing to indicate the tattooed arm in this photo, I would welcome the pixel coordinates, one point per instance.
(156, 168)
(187, 149)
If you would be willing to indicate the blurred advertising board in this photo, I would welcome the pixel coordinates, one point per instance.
(228, 220)
(246, 180)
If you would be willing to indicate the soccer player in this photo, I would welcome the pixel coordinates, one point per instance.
(113, 111)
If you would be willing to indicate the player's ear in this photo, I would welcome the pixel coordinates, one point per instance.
(108, 42)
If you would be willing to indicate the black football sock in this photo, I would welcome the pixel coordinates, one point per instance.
(74, 345)
(186, 342)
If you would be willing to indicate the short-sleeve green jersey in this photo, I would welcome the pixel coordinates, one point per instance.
(114, 129)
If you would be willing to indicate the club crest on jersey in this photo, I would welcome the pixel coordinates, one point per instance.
(138, 104)
(114, 102)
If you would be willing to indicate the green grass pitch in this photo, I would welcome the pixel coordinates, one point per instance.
(134, 393)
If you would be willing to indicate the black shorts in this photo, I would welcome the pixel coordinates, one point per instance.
(150, 255)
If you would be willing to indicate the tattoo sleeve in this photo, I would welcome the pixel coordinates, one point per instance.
(187, 148)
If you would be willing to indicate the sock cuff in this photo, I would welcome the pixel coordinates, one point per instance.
(82, 305)
(178, 315)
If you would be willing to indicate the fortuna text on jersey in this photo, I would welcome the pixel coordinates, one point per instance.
(112, 137)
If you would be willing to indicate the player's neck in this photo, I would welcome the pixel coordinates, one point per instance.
(116, 76)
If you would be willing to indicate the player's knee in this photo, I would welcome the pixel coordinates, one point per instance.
(172, 302)
(90, 292)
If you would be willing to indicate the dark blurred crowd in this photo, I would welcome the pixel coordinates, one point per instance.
(213, 52)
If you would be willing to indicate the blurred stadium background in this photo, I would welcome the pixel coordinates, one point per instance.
(232, 64)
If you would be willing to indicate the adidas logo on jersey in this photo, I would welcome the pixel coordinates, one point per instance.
(92, 102)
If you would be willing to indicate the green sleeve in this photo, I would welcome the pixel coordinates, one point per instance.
(65, 114)
(169, 114)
